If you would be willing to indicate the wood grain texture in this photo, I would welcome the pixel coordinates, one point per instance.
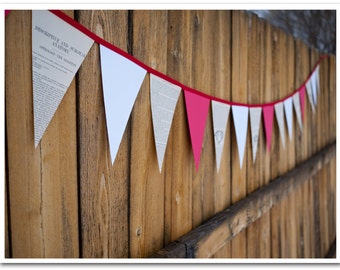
(265, 160)
(178, 163)
(130, 209)
(7, 227)
(104, 187)
(221, 88)
(276, 144)
(204, 79)
(205, 240)
(146, 207)
(43, 180)
(239, 68)
(289, 87)
(253, 89)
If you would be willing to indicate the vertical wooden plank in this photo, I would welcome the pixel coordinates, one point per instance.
(332, 98)
(291, 249)
(253, 88)
(24, 183)
(103, 187)
(239, 68)
(42, 180)
(179, 159)
(321, 121)
(276, 143)
(7, 243)
(324, 238)
(265, 161)
(284, 153)
(301, 144)
(222, 89)
(331, 103)
(332, 211)
(203, 68)
(317, 124)
(147, 184)
(222, 194)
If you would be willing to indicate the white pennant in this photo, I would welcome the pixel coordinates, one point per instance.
(164, 96)
(297, 107)
(289, 115)
(240, 115)
(314, 80)
(310, 94)
(121, 80)
(280, 121)
(58, 50)
(317, 71)
(255, 119)
(220, 113)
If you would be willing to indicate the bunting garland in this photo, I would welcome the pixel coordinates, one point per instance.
(122, 76)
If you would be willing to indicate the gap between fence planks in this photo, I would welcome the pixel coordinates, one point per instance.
(206, 239)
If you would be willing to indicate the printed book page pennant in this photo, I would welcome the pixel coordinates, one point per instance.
(296, 103)
(197, 111)
(58, 50)
(240, 115)
(289, 115)
(220, 113)
(268, 114)
(255, 119)
(280, 121)
(302, 94)
(121, 80)
(310, 94)
(163, 96)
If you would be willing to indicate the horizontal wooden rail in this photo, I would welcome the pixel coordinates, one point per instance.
(206, 239)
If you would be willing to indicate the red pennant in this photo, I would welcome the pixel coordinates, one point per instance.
(302, 92)
(268, 113)
(197, 111)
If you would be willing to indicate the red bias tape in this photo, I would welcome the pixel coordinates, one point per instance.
(103, 42)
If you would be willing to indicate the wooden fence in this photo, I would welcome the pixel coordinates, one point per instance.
(64, 199)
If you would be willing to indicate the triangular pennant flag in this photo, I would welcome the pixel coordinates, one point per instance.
(255, 119)
(280, 121)
(164, 96)
(302, 94)
(289, 115)
(268, 114)
(296, 103)
(317, 72)
(220, 113)
(240, 115)
(121, 80)
(197, 111)
(310, 94)
(58, 50)
(313, 82)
